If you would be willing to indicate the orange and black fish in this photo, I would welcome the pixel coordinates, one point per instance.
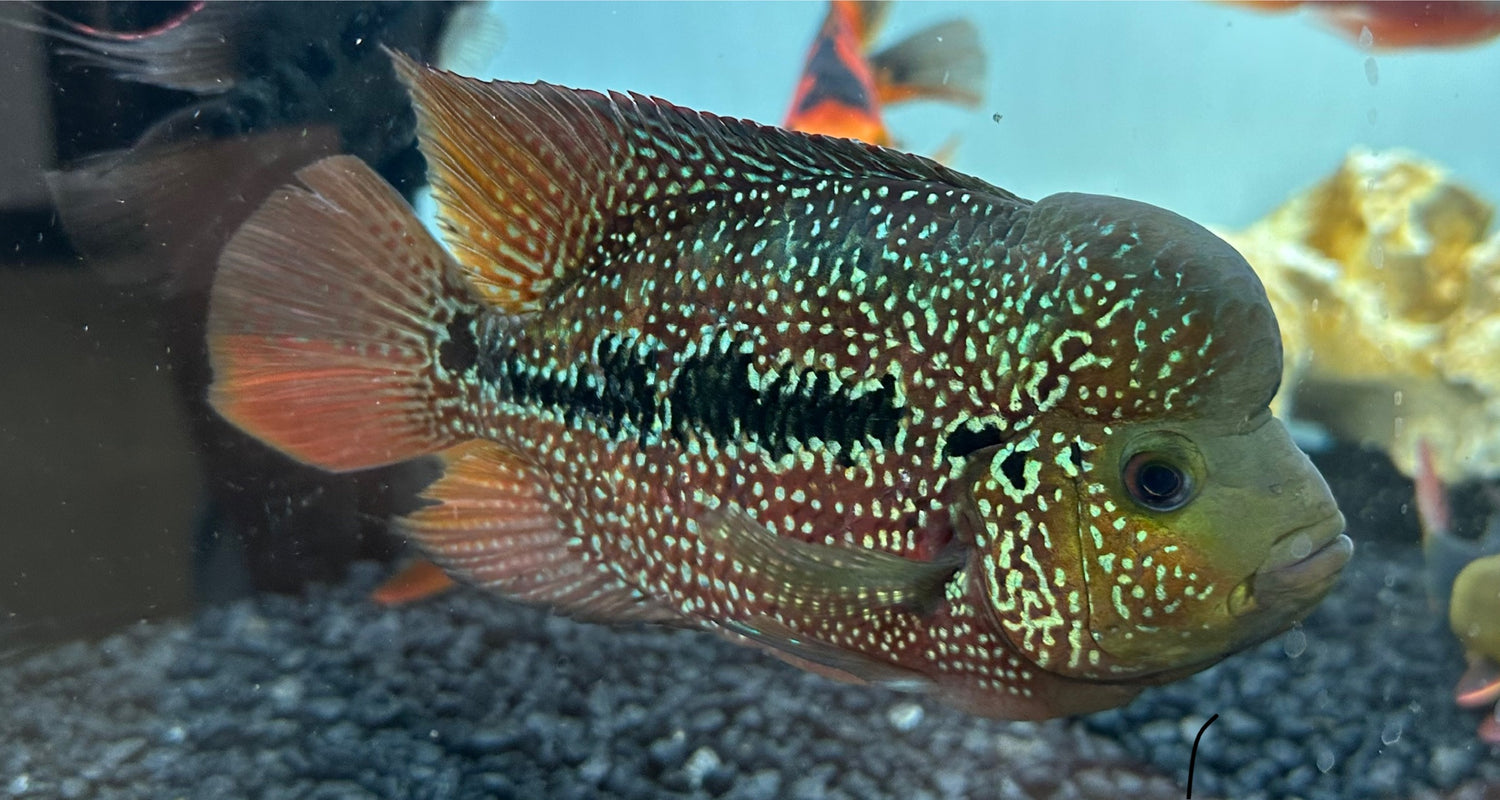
(883, 419)
(842, 88)
(1401, 24)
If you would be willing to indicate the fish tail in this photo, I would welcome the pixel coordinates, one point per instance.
(943, 62)
(329, 324)
(195, 50)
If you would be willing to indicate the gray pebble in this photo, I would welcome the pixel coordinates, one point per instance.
(1449, 764)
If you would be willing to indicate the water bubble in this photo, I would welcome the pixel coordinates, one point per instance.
(1366, 39)
(1326, 760)
(1399, 397)
(1294, 643)
(1391, 733)
(1372, 72)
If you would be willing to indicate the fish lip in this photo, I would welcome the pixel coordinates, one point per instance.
(1303, 564)
(1295, 548)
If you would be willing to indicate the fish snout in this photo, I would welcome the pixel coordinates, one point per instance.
(1302, 564)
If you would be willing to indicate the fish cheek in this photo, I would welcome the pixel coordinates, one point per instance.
(1177, 584)
(1157, 600)
(1027, 574)
(1157, 579)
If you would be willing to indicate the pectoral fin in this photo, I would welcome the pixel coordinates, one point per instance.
(822, 579)
(825, 659)
(811, 580)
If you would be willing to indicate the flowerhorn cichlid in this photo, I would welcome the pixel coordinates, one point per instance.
(885, 420)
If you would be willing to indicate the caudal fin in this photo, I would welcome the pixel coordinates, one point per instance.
(325, 322)
(943, 62)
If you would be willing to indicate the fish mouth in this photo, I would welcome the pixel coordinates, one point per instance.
(1302, 564)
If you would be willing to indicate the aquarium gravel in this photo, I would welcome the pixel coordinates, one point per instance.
(331, 696)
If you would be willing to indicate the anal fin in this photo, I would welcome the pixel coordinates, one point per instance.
(416, 581)
(490, 525)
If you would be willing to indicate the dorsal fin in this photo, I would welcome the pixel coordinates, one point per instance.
(531, 178)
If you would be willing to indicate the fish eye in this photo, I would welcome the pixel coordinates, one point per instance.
(1155, 481)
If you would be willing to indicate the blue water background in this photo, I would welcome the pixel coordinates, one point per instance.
(1214, 111)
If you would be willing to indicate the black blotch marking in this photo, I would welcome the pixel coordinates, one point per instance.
(832, 80)
(628, 394)
(1072, 349)
(964, 441)
(1014, 468)
(713, 396)
(1075, 454)
(461, 350)
(621, 399)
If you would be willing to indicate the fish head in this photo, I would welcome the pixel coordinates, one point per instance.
(1153, 517)
(1198, 539)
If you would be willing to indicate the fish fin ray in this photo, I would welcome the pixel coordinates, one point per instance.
(943, 62)
(1480, 683)
(323, 320)
(823, 658)
(194, 51)
(824, 578)
(159, 214)
(416, 581)
(533, 179)
(490, 525)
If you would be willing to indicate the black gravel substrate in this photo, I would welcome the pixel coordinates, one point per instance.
(329, 696)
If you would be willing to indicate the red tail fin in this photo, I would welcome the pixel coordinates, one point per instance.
(325, 319)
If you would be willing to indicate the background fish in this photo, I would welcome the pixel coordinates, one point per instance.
(1400, 24)
(888, 421)
(843, 87)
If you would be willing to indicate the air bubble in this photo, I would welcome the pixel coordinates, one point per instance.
(1294, 643)
(1326, 760)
